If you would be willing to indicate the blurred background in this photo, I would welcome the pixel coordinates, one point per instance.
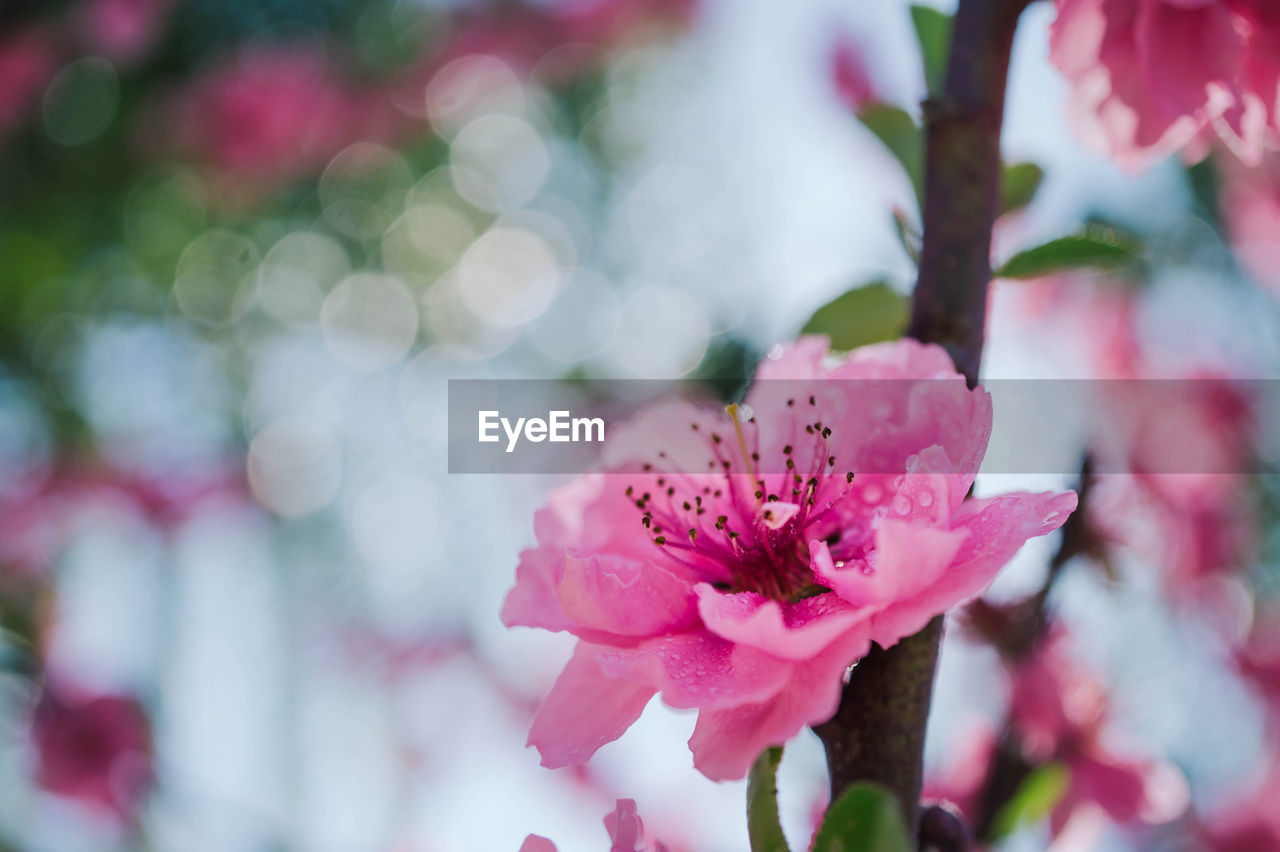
(243, 247)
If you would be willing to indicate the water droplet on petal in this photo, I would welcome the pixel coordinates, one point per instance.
(925, 499)
(901, 504)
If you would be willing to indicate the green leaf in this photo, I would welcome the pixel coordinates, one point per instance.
(1039, 792)
(763, 826)
(864, 819)
(933, 31)
(867, 314)
(1095, 247)
(902, 136)
(1019, 185)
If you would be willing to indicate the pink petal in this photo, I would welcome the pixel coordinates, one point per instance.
(535, 843)
(592, 514)
(603, 598)
(896, 359)
(998, 527)
(1118, 786)
(1075, 38)
(907, 560)
(614, 595)
(849, 73)
(794, 631)
(726, 742)
(1185, 50)
(534, 601)
(699, 670)
(624, 827)
(585, 710)
(799, 360)
(884, 404)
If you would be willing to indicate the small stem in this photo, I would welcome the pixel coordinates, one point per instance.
(878, 732)
(764, 828)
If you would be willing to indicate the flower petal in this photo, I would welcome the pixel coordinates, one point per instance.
(799, 360)
(997, 529)
(537, 843)
(624, 826)
(793, 631)
(616, 595)
(907, 560)
(699, 669)
(585, 710)
(726, 742)
(533, 601)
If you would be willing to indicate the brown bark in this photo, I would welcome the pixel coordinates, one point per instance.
(878, 732)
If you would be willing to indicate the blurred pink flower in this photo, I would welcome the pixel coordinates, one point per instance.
(28, 61)
(960, 782)
(740, 569)
(525, 33)
(95, 749)
(626, 832)
(563, 41)
(1250, 202)
(123, 30)
(1179, 426)
(849, 74)
(1149, 77)
(38, 514)
(1251, 824)
(537, 843)
(1059, 710)
(1185, 503)
(274, 115)
(1257, 658)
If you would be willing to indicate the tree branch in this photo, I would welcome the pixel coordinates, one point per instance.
(878, 732)
(962, 183)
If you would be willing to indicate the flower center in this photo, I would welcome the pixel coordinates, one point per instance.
(741, 526)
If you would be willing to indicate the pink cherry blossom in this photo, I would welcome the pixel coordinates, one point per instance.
(960, 782)
(1180, 430)
(849, 74)
(739, 568)
(123, 29)
(28, 61)
(626, 832)
(1251, 824)
(1150, 77)
(273, 115)
(95, 749)
(1060, 710)
(1257, 657)
(1250, 202)
(1058, 714)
